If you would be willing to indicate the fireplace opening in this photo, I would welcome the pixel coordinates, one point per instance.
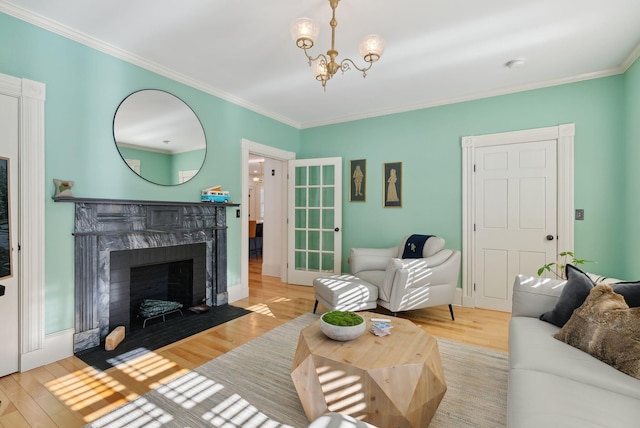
(173, 274)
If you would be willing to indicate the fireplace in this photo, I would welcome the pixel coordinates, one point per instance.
(106, 230)
(175, 273)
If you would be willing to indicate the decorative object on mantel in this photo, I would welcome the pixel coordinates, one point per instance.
(63, 188)
(215, 194)
(304, 32)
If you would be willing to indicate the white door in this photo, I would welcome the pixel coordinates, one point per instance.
(315, 218)
(515, 217)
(9, 351)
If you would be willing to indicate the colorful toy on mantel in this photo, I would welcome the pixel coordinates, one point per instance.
(215, 194)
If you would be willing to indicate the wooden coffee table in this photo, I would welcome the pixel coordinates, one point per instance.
(390, 381)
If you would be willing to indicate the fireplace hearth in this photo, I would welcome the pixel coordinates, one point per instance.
(104, 228)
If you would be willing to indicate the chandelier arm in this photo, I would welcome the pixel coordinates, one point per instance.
(344, 66)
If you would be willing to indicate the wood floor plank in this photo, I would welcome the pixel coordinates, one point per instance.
(69, 394)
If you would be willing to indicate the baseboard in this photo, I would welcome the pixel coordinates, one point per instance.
(271, 269)
(57, 346)
(235, 292)
(457, 299)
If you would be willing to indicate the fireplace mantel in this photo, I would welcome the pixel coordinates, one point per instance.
(105, 225)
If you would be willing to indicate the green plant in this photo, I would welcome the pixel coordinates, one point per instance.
(342, 318)
(557, 267)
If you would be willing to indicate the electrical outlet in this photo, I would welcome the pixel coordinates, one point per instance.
(579, 214)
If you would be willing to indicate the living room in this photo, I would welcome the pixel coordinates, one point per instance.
(84, 86)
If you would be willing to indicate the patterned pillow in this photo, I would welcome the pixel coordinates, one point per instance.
(607, 329)
(63, 188)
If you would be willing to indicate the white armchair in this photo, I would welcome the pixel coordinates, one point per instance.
(410, 283)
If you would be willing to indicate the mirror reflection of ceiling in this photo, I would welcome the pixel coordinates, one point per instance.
(156, 120)
(159, 137)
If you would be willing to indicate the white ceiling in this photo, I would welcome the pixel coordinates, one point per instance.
(438, 51)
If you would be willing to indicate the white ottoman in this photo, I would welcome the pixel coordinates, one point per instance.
(344, 293)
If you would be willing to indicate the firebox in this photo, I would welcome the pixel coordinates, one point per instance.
(176, 273)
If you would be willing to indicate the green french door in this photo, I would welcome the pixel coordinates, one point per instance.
(314, 219)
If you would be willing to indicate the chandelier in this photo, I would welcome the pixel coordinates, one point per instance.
(304, 31)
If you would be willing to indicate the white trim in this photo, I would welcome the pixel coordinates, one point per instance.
(273, 153)
(564, 135)
(31, 200)
(57, 346)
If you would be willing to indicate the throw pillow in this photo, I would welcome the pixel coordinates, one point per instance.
(605, 327)
(577, 289)
(63, 188)
(573, 294)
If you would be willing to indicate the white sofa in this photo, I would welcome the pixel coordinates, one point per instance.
(552, 384)
(411, 283)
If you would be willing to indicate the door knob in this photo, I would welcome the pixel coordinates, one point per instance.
(337, 229)
(549, 237)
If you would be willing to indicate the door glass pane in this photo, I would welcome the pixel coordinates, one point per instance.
(314, 219)
(314, 261)
(327, 241)
(301, 240)
(301, 219)
(328, 175)
(301, 197)
(301, 175)
(328, 219)
(301, 262)
(314, 197)
(328, 197)
(314, 240)
(314, 175)
(327, 262)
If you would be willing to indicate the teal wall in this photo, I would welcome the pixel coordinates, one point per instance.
(84, 89)
(631, 234)
(428, 143)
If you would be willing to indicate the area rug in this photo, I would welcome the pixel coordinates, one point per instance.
(158, 334)
(251, 386)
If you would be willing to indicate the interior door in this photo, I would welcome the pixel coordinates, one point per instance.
(9, 350)
(515, 217)
(314, 219)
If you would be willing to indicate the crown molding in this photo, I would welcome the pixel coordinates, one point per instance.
(473, 97)
(109, 49)
(112, 50)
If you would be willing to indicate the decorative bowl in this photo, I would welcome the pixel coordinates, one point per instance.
(342, 333)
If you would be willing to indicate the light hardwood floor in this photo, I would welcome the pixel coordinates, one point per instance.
(68, 393)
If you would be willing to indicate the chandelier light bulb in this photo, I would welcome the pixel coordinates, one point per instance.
(372, 48)
(304, 32)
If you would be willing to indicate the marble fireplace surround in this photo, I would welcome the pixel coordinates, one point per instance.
(105, 225)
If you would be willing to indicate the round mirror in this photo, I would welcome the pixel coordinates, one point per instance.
(159, 137)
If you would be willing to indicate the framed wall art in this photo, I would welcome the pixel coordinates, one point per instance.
(358, 180)
(5, 237)
(392, 195)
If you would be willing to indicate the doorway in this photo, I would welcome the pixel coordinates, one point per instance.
(517, 209)
(274, 215)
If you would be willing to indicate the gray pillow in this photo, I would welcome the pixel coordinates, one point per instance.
(573, 294)
(577, 289)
